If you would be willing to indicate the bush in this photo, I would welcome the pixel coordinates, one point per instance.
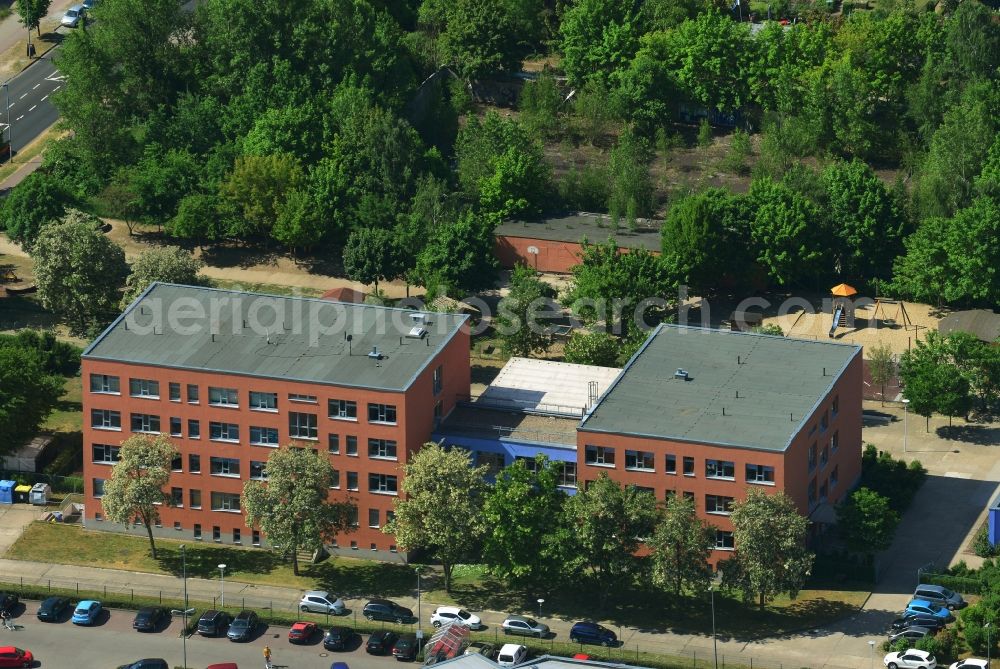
(890, 477)
(57, 357)
(704, 133)
(965, 585)
(739, 151)
(585, 189)
(981, 543)
(941, 646)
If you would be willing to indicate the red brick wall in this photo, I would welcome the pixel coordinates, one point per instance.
(552, 256)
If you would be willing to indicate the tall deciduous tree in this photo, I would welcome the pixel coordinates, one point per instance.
(881, 366)
(292, 506)
(28, 393)
(592, 348)
(370, 255)
(523, 513)
(441, 512)
(784, 232)
(459, 256)
(31, 13)
(521, 314)
(38, 200)
(681, 547)
(257, 187)
(708, 55)
(169, 264)
(79, 272)
(134, 491)
(483, 38)
(771, 555)
(867, 522)
(608, 523)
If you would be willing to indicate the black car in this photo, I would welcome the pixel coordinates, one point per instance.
(150, 663)
(912, 633)
(8, 602)
(405, 647)
(587, 631)
(149, 618)
(380, 643)
(384, 609)
(243, 626)
(917, 620)
(53, 609)
(213, 623)
(338, 638)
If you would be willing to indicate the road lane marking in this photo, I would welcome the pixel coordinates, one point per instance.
(23, 96)
(44, 98)
(32, 108)
(36, 86)
(19, 117)
(56, 89)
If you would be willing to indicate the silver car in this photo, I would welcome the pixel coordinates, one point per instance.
(73, 16)
(524, 626)
(321, 601)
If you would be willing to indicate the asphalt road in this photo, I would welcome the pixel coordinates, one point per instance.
(31, 108)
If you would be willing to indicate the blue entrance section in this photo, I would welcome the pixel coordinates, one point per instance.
(994, 520)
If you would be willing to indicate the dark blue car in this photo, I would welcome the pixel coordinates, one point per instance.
(590, 632)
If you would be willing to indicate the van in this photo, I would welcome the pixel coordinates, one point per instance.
(940, 595)
(512, 654)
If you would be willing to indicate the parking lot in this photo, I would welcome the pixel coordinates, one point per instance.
(113, 642)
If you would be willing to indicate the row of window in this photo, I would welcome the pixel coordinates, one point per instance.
(494, 462)
(337, 409)
(824, 453)
(826, 489)
(220, 501)
(645, 461)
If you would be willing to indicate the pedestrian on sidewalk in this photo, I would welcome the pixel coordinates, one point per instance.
(7, 622)
(267, 657)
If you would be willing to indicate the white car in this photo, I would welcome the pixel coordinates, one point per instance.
(910, 659)
(512, 654)
(452, 614)
(970, 663)
(73, 15)
(321, 601)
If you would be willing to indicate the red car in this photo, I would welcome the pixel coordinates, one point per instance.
(302, 632)
(15, 657)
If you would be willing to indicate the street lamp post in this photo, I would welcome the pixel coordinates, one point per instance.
(906, 403)
(871, 654)
(540, 602)
(10, 130)
(715, 643)
(420, 632)
(185, 612)
(222, 584)
(988, 639)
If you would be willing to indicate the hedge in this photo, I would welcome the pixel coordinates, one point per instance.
(961, 584)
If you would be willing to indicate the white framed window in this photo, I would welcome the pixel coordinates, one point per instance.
(263, 436)
(258, 470)
(383, 449)
(98, 487)
(104, 454)
(263, 401)
(343, 409)
(720, 469)
(302, 425)
(105, 419)
(175, 391)
(223, 397)
(192, 393)
(600, 456)
(688, 465)
(144, 388)
(352, 445)
(225, 501)
(382, 413)
(177, 497)
(438, 379)
(383, 484)
(194, 499)
(223, 431)
(105, 384)
(567, 474)
(194, 429)
(716, 504)
(352, 480)
(374, 516)
(144, 422)
(304, 399)
(194, 463)
(640, 461)
(175, 427)
(724, 540)
(760, 474)
(333, 444)
(335, 478)
(224, 466)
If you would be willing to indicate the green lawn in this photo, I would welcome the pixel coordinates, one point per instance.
(68, 414)
(472, 588)
(269, 288)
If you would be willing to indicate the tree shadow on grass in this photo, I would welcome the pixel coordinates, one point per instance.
(971, 434)
(203, 561)
(358, 578)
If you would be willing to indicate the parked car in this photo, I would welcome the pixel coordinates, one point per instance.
(511, 654)
(338, 638)
(213, 623)
(89, 4)
(73, 16)
(384, 609)
(910, 659)
(914, 633)
(970, 663)
(302, 632)
(587, 631)
(483, 648)
(223, 665)
(451, 614)
(52, 609)
(8, 602)
(918, 606)
(321, 601)
(149, 663)
(938, 594)
(15, 657)
(524, 626)
(148, 618)
(405, 647)
(86, 612)
(917, 620)
(380, 643)
(335, 665)
(243, 626)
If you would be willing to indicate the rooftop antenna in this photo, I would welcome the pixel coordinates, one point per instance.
(591, 393)
(349, 346)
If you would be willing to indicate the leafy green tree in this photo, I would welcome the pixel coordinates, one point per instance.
(781, 57)
(783, 229)
(258, 187)
(441, 512)
(954, 396)
(631, 187)
(33, 203)
(459, 255)
(936, 375)
(540, 104)
(134, 491)
(608, 283)
(298, 224)
(55, 356)
(159, 181)
(483, 38)
(520, 314)
(592, 348)
(292, 507)
(79, 272)
(599, 37)
(973, 41)
(502, 167)
(707, 59)
(523, 510)
(593, 117)
(867, 522)
(198, 219)
(881, 366)
(771, 555)
(370, 255)
(28, 393)
(169, 264)
(607, 522)
(988, 182)
(31, 12)
(681, 547)
(648, 91)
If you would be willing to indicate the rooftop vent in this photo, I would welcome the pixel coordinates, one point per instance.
(681, 374)
(419, 318)
(374, 354)
(417, 332)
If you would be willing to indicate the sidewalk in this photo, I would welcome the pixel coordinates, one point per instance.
(13, 34)
(815, 649)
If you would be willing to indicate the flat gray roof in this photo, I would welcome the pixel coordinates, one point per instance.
(272, 336)
(596, 228)
(485, 422)
(779, 382)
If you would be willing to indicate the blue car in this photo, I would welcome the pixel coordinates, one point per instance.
(590, 632)
(86, 612)
(923, 607)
